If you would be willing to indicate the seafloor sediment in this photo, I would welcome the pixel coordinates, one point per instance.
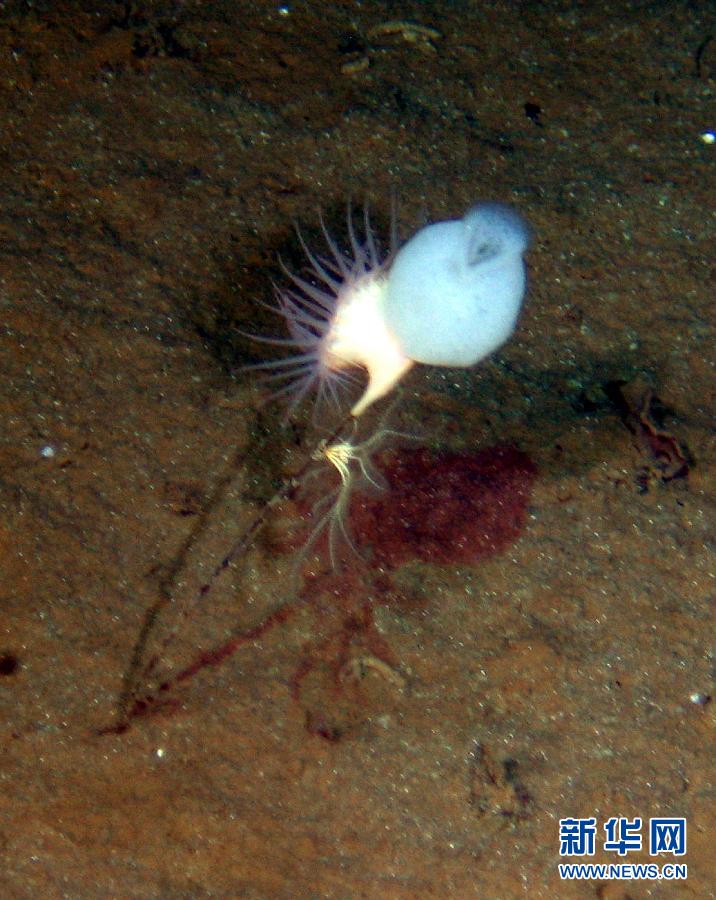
(415, 724)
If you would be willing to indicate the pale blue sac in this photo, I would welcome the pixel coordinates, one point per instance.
(455, 289)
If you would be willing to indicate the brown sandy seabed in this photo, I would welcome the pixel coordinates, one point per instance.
(153, 159)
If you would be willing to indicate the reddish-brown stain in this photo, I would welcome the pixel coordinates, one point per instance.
(445, 508)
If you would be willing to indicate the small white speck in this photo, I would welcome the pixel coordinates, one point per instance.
(47, 451)
(699, 698)
(708, 137)
(160, 752)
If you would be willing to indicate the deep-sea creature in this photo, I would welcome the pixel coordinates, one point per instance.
(449, 297)
(331, 316)
(353, 463)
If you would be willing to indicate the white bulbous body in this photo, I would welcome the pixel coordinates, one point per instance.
(449, 297)
(455, 289)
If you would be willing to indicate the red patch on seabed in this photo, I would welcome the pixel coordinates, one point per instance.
(439, 508)
(445, 508)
